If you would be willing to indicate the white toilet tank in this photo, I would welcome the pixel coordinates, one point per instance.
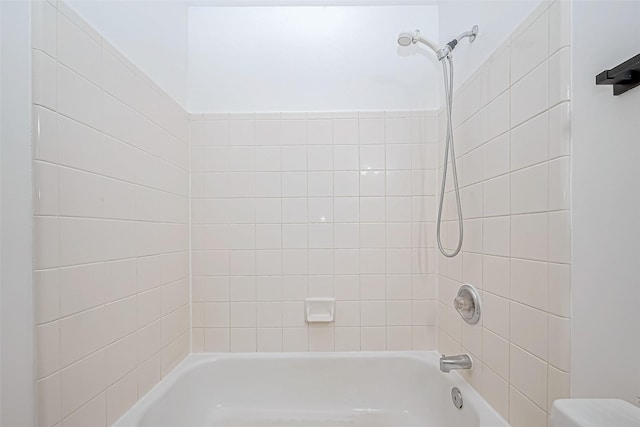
(594, 413)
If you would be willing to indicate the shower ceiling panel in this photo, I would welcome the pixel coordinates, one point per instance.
(309, 58)
(154, 34)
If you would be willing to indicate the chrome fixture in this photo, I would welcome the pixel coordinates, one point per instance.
(467, 303)
(405, 39)
(456, 397)
(461, 361)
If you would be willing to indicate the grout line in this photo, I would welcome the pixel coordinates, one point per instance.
(137, 184)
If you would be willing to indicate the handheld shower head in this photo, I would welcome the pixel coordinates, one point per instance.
(405, 39)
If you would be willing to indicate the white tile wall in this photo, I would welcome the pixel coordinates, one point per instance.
(111, 192)
(519, 257)
(290, 205)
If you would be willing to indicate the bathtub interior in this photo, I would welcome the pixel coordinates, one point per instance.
(399, 390)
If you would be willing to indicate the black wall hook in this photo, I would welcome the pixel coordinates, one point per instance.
(624, 77)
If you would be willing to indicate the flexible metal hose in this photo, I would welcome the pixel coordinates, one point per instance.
(448, 89)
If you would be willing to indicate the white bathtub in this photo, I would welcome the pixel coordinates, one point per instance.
(403, 389)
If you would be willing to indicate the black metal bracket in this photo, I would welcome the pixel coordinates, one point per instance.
(624, 77)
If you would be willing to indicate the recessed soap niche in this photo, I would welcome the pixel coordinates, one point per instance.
(320, 310)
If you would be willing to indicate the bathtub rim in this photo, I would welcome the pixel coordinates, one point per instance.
(133, 416)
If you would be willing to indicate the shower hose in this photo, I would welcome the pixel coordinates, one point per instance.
(448, 89)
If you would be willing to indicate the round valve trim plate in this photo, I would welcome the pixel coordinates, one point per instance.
(467, 303)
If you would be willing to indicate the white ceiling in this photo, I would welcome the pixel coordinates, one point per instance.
(151, 33)
(313, 58)
(154, 35)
